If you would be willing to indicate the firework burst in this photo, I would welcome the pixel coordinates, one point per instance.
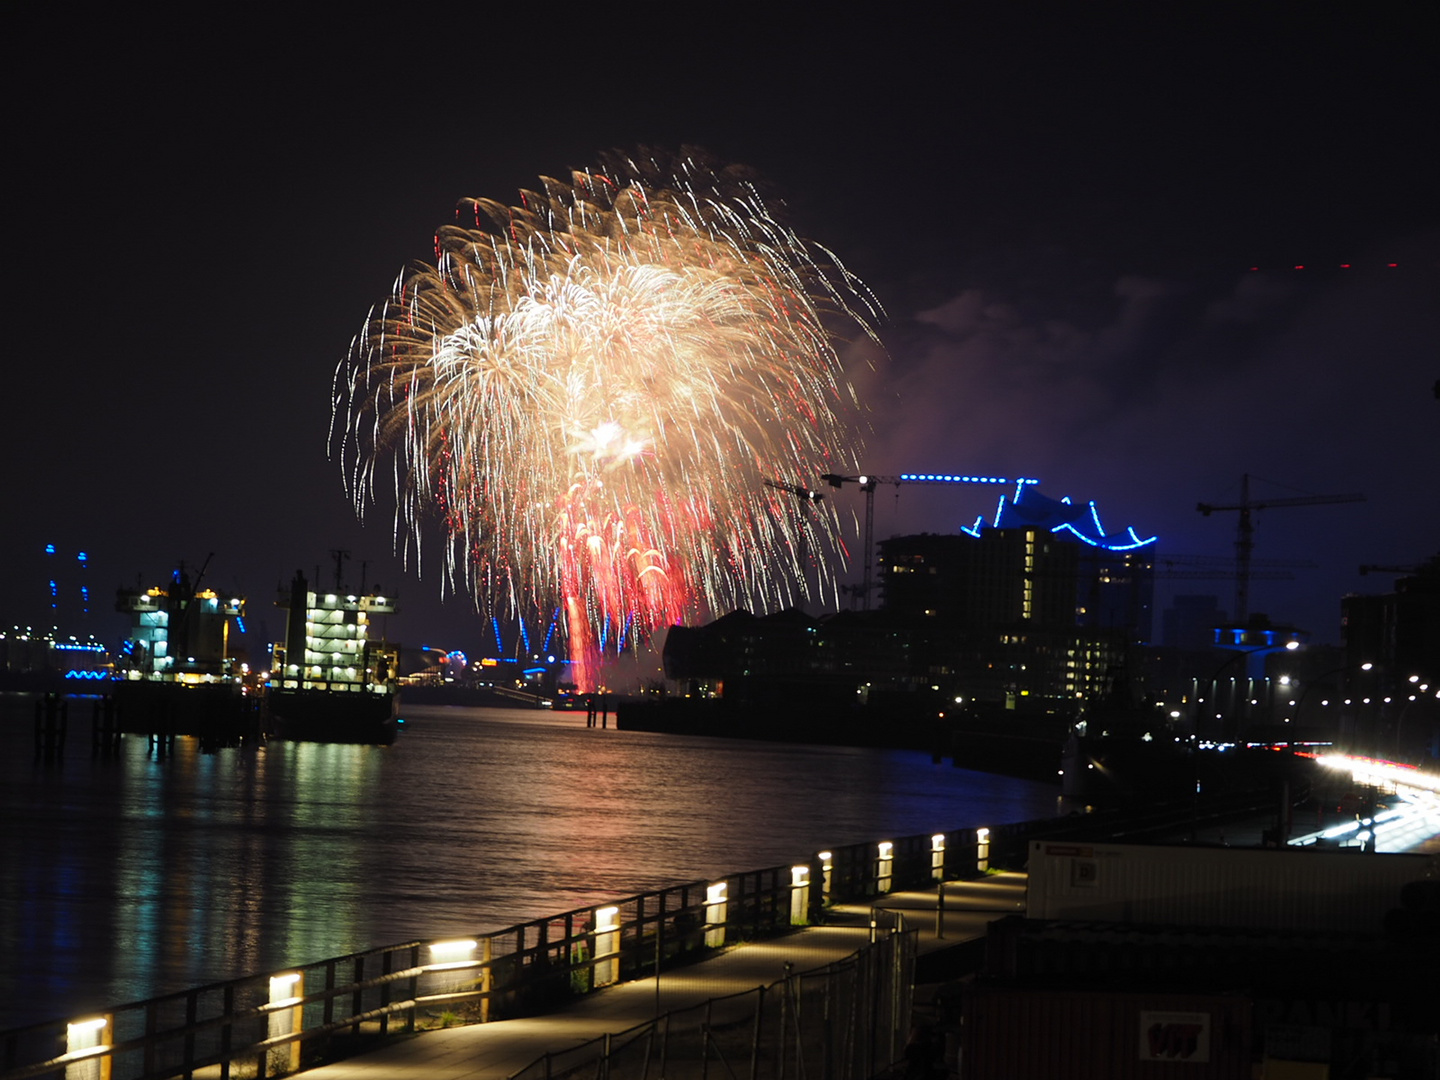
(589, 389)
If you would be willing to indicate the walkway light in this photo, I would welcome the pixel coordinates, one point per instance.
(85, 1038)
(287, 1017)
(715, 907)
(452, 954)
(607, 945)
(799, 895)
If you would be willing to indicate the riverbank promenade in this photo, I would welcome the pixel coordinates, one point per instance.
(501, 1049)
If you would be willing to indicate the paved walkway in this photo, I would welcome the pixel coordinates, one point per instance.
(497, 1050)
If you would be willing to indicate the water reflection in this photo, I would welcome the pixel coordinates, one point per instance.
(126, 877)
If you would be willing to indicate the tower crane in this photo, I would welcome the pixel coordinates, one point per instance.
(1245, 532)
(868, 483)
(808, 494)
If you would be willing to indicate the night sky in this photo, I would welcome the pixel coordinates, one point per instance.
(1059, 207)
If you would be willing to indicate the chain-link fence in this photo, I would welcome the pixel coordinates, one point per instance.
(845, 1021)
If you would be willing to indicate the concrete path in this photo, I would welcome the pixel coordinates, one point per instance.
(498, 1050)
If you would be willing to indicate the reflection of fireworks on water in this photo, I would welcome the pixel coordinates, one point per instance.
(591, 388)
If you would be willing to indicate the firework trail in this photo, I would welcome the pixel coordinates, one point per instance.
(590, 387)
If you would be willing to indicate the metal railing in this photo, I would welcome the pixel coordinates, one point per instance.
(845, 1021)
(274, 1023)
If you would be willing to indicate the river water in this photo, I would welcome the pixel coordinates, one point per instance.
(126, 877)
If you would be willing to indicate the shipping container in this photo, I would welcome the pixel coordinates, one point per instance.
(1017, 1034)
(1296, 889)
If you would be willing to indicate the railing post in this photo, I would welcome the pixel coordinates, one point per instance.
(387, 965)
(286, 1017)
(799, 895)
(607, 946)
(784, 1025)
(487, 977)
(95, 1033)
(152, 1025)
(705, 1043)
(715, 911)
(328, 1013)
(227, 1006)
(755, 1035)
(414, 987)
(357, 1000)
(192, 1014)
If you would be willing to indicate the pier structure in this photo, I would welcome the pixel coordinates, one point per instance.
(845, 965)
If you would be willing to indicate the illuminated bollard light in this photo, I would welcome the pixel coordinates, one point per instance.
(885, 867)
(286, 1018)
(937, 856)
(799, 895)
(83, 1036)
(827, 864)
(715, 908)
(982, 850)
(607, 945)
(452, 956)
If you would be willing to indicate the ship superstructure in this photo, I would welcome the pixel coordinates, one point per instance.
(334, 678)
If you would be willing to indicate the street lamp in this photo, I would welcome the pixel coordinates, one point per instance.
(1267, 647)
(1300, 704)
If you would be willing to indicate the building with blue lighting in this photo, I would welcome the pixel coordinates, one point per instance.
(1032, 612)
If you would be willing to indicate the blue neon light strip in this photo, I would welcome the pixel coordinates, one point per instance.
(495, 625)
(947, 478)
(550, 634)
(241, 624)
(524, 635)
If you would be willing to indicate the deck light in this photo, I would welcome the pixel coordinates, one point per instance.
(799, 895)
(607, 945)
(287, 1013)
(715, 908)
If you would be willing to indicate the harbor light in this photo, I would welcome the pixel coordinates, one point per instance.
(937, 856)
(982, 849)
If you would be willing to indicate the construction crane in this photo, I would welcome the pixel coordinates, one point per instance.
(808, 494)
(1245, 532)
(868, 483)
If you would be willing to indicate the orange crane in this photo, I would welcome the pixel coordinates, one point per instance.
(1245, 532)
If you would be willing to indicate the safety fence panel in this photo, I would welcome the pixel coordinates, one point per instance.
(845, 1021)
